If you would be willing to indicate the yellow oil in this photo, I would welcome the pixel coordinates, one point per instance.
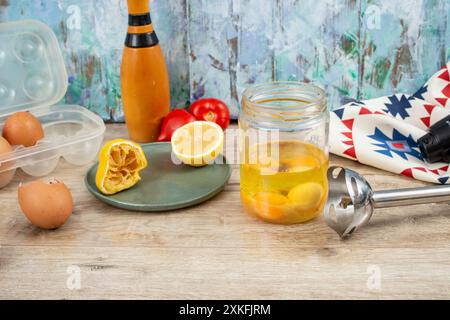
(288, 185)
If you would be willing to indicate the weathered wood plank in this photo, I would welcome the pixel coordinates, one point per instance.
(201, 273)
(256, 35)
(317, 41)
(170, 21)
(216, 251)
(91, 35)
(212, 49)
(403, 44)
(356, 48)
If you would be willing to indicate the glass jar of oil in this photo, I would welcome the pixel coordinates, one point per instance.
(284, 129)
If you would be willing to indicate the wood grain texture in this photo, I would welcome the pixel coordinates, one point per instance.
(211, 49)
(320, 48)
(356, 49)
(402, 43)
(216, 251)
(91, 35)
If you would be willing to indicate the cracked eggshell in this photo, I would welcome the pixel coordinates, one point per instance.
(48, 205)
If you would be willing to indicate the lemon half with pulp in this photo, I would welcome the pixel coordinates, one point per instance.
(120, 163)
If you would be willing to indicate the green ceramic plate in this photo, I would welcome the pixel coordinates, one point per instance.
(166, 186)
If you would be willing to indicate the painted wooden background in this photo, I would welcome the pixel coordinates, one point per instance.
(354, 48)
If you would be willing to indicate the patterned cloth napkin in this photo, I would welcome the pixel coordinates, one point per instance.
(383, 132)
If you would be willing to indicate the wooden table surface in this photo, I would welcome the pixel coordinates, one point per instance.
(215, 251)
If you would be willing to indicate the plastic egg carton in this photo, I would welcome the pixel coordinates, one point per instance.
(33, 78)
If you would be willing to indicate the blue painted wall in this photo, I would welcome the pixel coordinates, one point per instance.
(355, 48)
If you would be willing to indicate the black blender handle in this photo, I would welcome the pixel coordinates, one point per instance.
(435, 146)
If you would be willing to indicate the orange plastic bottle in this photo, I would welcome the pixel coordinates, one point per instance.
(144, 76)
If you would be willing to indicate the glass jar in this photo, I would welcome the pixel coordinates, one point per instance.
(284, 151)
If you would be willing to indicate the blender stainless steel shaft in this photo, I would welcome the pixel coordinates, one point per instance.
(352, 200)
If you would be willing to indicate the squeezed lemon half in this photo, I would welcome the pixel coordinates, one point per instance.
(120, 163)
(198, 143)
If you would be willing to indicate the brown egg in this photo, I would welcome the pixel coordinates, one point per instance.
(23, 129)
(48, 205)
(5, 176)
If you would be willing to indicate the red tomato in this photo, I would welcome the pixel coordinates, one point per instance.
(174, 120)
(212, 110)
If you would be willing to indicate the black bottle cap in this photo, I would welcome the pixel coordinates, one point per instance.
(435, 146)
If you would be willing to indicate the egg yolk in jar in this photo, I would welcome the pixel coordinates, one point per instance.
(286, 186)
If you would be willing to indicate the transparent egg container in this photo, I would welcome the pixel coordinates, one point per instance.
(33, 78)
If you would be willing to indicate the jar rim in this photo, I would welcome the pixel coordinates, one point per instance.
(316, 94)
(285, 101)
